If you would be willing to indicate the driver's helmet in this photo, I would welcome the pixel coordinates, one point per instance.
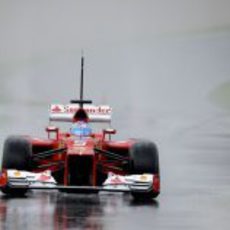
(81, 128)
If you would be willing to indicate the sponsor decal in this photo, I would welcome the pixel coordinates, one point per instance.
(116, 180)
(56, 109)
(17, 174)
(143, 178)
(43, 177)
(71, 109)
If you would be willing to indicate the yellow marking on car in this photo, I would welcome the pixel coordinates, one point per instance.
(17, 174)
(143, 178)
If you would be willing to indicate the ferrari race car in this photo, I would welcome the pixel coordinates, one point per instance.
(80, 159)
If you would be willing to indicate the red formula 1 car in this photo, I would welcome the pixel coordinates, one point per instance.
(79, 159)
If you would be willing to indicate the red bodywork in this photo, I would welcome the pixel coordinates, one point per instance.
(79, 163)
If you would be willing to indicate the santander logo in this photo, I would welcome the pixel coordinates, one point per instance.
(90, 109)
(56, 109)
(116, 180)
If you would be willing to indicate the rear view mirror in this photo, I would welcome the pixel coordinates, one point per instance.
(53, 132)
(109, 131)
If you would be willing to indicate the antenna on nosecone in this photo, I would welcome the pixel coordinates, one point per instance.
(81, 102)
(82, 75)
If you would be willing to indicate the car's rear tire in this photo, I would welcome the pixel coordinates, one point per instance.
(144, 159)
(17, 152)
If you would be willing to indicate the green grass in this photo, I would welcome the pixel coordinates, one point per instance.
(221, 96)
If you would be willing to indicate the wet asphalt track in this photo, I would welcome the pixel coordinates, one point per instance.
(170, 106)
(194, 196)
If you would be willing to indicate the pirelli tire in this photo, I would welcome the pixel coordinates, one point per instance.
(17, 152)
(144, 159)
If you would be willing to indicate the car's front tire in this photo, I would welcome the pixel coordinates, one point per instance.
(145, 159)
(17, 152)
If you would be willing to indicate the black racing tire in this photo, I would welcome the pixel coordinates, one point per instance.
(144, 159)
(59, 176)
(101, 177)
(17, 152)
(144, 195)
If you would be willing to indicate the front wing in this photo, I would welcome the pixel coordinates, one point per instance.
(15, 179)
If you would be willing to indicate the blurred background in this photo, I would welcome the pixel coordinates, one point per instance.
(170, 60)
(162, 65)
